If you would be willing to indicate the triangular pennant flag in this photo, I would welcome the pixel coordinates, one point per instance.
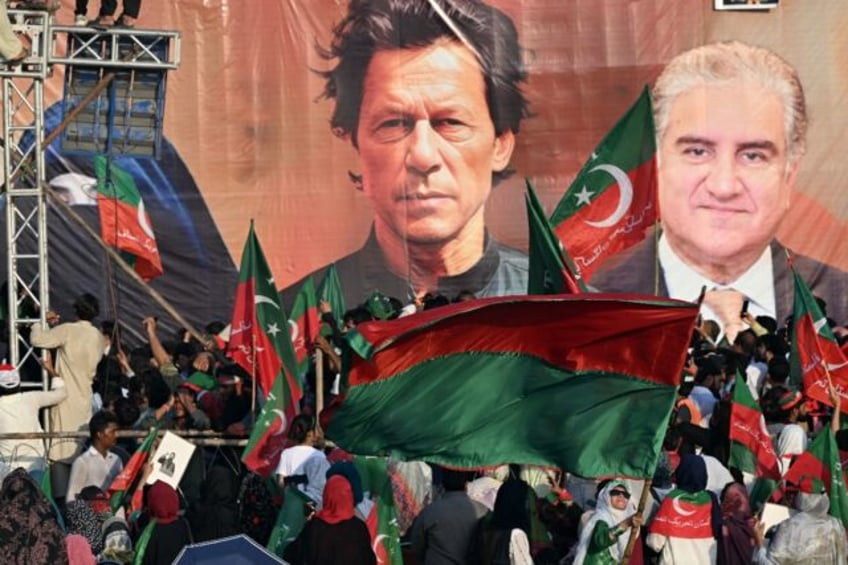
(132, 472)
(821, 461)
(612, 202)
(260, 343)
(551, 272)
(124, 223)
(751, 448)
(304, 324)
(258, 331)
(816, 357)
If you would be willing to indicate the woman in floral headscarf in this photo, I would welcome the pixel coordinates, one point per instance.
(29, 532)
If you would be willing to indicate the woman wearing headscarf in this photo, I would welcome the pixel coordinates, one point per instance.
(333, 535)
(507, 541)
(738, 538)
(791, 443)
(29, 532)
(687, 526)
(603, 539)
(810, 536)
(166, 533)
(215, 514)
(81, 519)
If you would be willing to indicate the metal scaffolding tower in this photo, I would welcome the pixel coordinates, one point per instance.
(108, 52)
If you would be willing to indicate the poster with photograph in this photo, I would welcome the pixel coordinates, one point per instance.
(171, 460)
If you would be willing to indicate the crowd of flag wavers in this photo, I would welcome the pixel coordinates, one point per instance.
(748, 472)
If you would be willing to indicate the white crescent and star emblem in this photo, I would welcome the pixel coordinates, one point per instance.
(260, 299)
(378, 541)
(676, 503)
(625, 197)
(294, 331)
(143, 223)
(283, 422)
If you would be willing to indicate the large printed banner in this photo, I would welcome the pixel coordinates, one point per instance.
(406, 166)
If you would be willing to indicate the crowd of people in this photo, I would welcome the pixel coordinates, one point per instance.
(700, 508)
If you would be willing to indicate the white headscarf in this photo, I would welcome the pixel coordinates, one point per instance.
(605, 511)
(792, 441)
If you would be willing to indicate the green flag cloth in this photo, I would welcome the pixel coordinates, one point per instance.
(330, 290)
(821, 461)
(816, 356)
(551, 272)
(290, 520)
(584, 383)
(751, 448)
(612, 202)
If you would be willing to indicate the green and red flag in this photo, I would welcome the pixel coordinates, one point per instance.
(821, 461)
(258, 331)
(131, 473)
(684, 515)
(585, 384)
(551, 271)
(124, 223)
(382, 521)
(304, 324)
(330, 290)
(259, 342)
(816, 356)
(613, 201)
(751, 448)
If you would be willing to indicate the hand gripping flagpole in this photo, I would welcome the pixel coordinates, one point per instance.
(634, 532)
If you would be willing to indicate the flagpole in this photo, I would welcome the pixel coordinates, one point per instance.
(634, 531)
(254, 384)
(319, 381)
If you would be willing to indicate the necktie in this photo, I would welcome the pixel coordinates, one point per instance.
(727, 305)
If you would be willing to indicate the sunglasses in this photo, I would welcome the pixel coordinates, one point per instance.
(623, 493)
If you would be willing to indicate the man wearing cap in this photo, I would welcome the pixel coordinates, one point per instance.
(810, 536)
(19, 413)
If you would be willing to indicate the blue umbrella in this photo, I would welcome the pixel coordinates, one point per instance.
(234, 550)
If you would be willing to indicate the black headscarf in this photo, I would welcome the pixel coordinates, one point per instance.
(691, 476)
(511, 510)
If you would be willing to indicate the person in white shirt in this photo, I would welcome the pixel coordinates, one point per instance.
(304, 465)
(97, 466)
(19, 413)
